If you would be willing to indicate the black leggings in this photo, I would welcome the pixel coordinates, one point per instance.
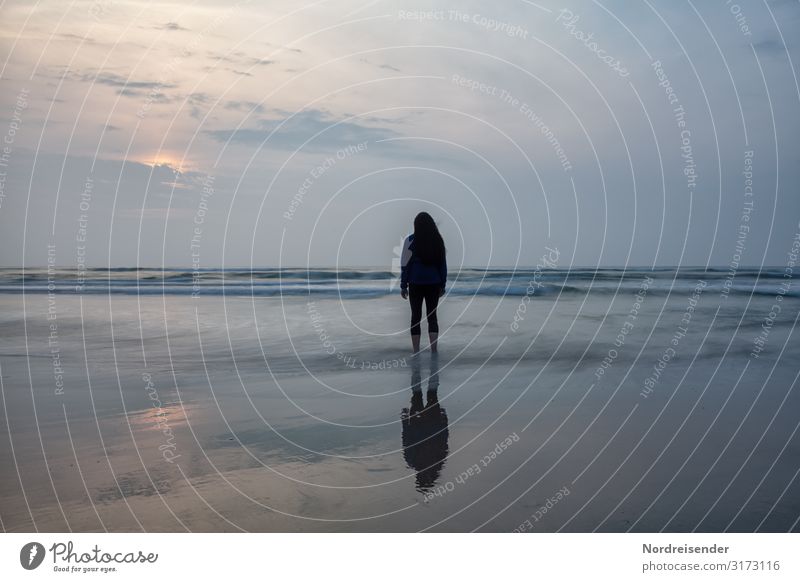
(416, 295)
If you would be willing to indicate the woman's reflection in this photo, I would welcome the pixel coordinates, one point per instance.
(425, 428)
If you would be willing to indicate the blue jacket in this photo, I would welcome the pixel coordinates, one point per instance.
(414, 271)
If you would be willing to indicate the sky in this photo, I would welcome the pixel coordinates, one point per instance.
(280, 133)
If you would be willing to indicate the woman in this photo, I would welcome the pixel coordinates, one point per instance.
(424, 274)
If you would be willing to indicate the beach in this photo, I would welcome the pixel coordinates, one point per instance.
(596, 400)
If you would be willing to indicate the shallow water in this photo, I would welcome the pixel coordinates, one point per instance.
(298, 411)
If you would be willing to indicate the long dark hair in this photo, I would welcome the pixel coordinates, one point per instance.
(428, 243)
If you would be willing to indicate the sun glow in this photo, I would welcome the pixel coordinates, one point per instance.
(171, 161)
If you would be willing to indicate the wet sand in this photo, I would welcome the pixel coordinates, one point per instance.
(190, 416)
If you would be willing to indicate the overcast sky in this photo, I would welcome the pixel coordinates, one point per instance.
(285, 133)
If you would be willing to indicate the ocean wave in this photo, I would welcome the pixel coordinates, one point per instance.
(365, 284)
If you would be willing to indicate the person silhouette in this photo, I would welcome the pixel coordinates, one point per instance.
(424, 428)
(423, 277)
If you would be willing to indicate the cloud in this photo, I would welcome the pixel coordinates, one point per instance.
(170, 26)
(195, 101)
(390, 68)
(291, 132)
(240, 58)
(199, 97)
(247, 106)
(770, 46)
(282, 47)
(153, 91)
(152, 96)
(382, 66)
(242, 62)
(113, 80)
(66, 36)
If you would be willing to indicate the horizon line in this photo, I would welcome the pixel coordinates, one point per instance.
(379, 268)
